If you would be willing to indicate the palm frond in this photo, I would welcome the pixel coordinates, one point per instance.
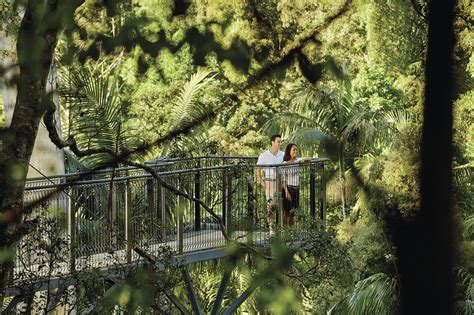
(318, 103)
(361, 126)
(463, 174)
(94, 113)
(376, 294)
(363, 164)
(286, 123)
(465, 282)
(185, 107)
(397, 117)
(306, 96)
(468, 229)
(314, 141)
(186, 146)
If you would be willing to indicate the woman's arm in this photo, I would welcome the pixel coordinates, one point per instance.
(305, 159)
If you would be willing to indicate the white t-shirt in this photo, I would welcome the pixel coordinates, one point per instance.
(267, 158)
(291, 173)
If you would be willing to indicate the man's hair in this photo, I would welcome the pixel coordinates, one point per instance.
(274, 137)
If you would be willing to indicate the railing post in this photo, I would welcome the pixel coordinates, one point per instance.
(226, 198)
(322, 195)
(312, 191)
(163, 211)
(150, 196)
(197, 195)
(279, 212)
(71, 230)
(128, 212)
(228, 218)
(113, 214)
(250, 198)
(180, 224)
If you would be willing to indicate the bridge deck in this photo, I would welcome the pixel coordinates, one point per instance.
(105, 210)
(194, 251)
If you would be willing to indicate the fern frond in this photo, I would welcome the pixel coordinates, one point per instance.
(185, 107)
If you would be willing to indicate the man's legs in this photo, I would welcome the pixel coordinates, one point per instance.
(270, 211)
(270, 190)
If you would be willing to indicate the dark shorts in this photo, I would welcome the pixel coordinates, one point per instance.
(295, 198)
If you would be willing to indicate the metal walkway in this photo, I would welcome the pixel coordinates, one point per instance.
(107, 213)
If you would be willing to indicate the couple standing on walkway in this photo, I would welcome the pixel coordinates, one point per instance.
(289, 179)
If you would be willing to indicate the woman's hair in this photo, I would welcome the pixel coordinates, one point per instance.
(287, 155)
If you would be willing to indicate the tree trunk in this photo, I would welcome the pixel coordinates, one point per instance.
(426, 245)
(36, 42)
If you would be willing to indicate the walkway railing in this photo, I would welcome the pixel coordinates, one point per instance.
(109, 211)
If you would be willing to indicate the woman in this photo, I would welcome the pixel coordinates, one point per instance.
(291, 183)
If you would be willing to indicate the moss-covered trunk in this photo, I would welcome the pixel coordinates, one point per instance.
(36, 42)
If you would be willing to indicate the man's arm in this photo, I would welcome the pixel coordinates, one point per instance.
(258, 172)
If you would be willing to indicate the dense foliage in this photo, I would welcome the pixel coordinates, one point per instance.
(338, 77)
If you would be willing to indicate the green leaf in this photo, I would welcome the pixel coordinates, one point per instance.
(6, 255)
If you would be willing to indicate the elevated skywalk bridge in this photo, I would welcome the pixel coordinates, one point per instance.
(109, 213)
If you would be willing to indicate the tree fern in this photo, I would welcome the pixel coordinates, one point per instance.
(95, 114)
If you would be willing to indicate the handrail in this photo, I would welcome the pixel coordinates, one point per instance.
(129, 168)
(153, 163)
(108, 214)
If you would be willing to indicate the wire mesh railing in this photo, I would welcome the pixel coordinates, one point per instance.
(110, 212)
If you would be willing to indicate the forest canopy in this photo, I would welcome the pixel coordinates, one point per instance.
(344, 79)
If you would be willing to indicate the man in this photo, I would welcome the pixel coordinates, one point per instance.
(271, 156)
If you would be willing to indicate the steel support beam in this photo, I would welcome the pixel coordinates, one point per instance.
(56, 297)
(182, 309)
(220, 293)
(191, 292)
(241, 299)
